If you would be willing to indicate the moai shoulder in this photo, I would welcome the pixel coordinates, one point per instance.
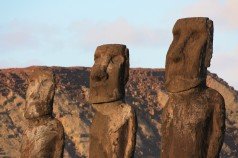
(193, 120)
(118, 113)
(44, 136)
(113, 127)
(43, 139)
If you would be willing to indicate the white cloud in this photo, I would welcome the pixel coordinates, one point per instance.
(91, 34)
(19, 36)
(222, 12)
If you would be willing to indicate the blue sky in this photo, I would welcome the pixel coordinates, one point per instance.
(66, 33)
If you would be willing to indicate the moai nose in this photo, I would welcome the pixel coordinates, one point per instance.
(99, 73)
(177, 53)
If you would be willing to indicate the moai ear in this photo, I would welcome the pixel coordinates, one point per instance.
(127, 66)
(209, 49)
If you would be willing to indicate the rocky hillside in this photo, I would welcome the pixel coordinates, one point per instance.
(144, 91)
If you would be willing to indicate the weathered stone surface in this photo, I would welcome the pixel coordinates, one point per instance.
(40, 94)
(43, 138)
(72, 87)
(113, 131)
(44, 135)
(109, 73)
(193, 120)
(189, 54)
(113, 127)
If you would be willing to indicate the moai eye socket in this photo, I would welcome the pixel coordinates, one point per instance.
(117, 59)
(194, 36)
(96, 57)
(176, 34)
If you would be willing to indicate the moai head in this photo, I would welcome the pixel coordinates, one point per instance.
(189, 54)
(40, 94)
(109, 73)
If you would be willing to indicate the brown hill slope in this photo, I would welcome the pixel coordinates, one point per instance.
(144, 91)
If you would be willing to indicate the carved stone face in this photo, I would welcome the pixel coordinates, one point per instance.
(39, 95)
(109, 73)
(189, 54)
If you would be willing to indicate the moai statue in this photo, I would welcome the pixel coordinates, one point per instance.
(44, 136)
(113, 130)
(193, 120)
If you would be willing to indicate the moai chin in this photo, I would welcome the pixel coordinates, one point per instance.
(193, 120)
(44, 135)
(112, 133)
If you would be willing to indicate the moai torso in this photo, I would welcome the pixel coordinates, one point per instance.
(193, 120)
(112, 133)
(190, 128)
(43, 139)
(44, 136)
